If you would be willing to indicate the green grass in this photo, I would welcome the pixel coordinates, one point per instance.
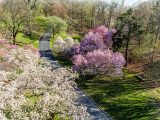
(78, 37)
(63, 61)
(125, 98)
(26, 40)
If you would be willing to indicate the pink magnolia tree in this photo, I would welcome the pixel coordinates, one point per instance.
(94, 54)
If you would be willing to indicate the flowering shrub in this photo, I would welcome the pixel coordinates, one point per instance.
(58, 45)
(31, 91)
(5, 44)
(99, 38)
(33, 49)
(63, 47)
(93, 55)
(99, 62)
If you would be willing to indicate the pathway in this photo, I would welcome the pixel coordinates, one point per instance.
(95, 112)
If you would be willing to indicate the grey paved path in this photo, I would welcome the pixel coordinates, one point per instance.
(93, 110)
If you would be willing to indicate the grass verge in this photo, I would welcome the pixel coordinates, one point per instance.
(124, 98)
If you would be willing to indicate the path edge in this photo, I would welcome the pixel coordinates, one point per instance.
(94, 103)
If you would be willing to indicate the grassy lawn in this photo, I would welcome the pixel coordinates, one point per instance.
(26, 40)
(125, 99)
(63, 61)
(34, 40)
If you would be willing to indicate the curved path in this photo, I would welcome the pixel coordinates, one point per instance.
(95, 112)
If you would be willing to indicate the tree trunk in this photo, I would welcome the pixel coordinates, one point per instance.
(29, 24)
(29, 19)
(127, 44)
(156, 40)
(157, 33)
(126, 52)
(14, 41)
(14, 38)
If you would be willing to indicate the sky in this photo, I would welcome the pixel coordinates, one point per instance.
(132, 2)
(129, 2)
(126, 3)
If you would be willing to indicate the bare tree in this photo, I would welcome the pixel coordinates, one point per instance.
(156, 9)
(13, 16)
(111, 11)
(30, 6)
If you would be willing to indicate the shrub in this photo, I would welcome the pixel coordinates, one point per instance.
(94, 55)
(32, 91)
(63, 47)
(52, 24)
(76, 37)
(58, 45)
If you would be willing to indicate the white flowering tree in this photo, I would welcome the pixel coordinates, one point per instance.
(62, 46)
(29, 90)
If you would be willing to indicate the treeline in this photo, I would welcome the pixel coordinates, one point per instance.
(82, 15)
(138, 26)
(85, 14)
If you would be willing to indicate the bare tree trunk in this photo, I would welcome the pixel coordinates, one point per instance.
(158, 31)
(156, 40)
(29, 23)
(81, 20)
(93, 18)
(127, 44)
(14, 39)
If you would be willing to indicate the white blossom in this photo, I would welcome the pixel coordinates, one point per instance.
(62, 46)
(37, 92)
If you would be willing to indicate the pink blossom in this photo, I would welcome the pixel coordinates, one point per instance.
(99, 61)
(99, 38)
(12, 46)
(79, 60)
(101, 30)
(32, 48)
(3, 52)
(74, 50)
(93, 55)
(7, 45)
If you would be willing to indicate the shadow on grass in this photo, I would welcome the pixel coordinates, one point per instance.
(32, 37)
(152, 73)
(123, 99)
(64, 61)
